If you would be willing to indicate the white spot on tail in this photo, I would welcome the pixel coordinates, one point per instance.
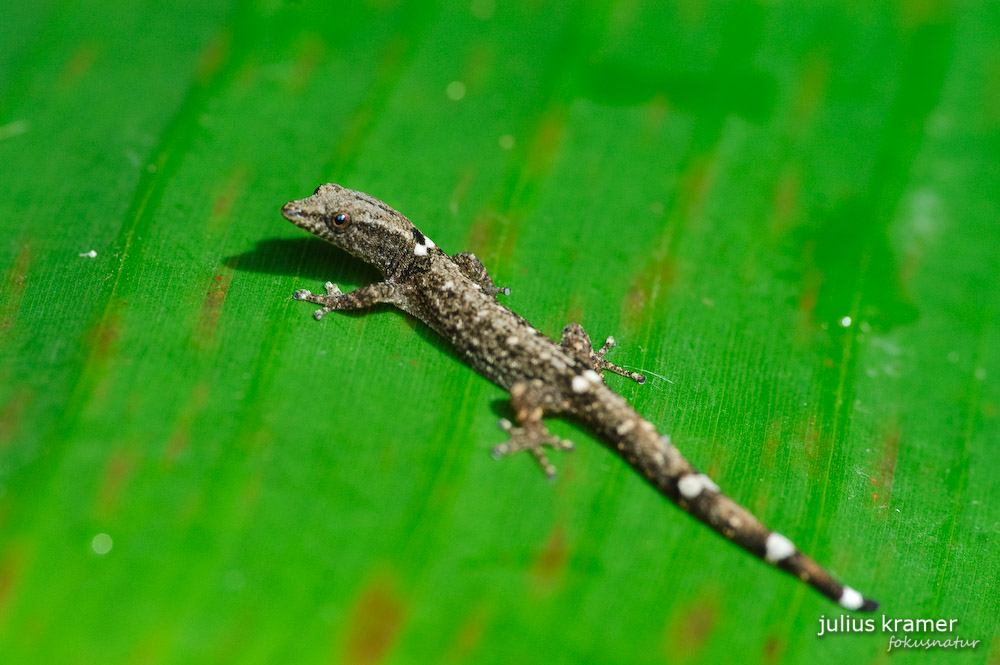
(625, 427)
(420, 250)
(694, 484)
(851, 599)
(580, 384)
(429, 242)
(778, 548)
(593, 377)
(513, 340)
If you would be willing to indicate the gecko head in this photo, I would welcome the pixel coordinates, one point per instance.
(357, 223)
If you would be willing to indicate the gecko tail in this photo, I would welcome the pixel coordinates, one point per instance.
(673, 476)
(698, 495)
(780, 552)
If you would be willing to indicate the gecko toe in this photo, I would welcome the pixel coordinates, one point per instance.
(534, 441)
(301, 294)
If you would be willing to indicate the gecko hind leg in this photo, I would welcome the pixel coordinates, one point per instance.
(532, 401)
(576, 340)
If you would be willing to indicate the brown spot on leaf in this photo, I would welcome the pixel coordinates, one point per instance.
(117, 472)
(155, 645)
(467, 638)
(635, 301)
(79, 63)
(102, 337)
(551, 560)
(769, 450)
(807, 297)
(181, 436)
(14, 283)
(178, 443)
(689, 629)
(479, 64)
(213, 57)
(11, 415)
(812, 88)
(786, 201)
(989, 409)
(546, 140)
(310, 55)
(647, 285)
(211, 306)
(815, 448)
(759, 503)
(651, 284)
(230, 192)
(993, 658)
(250, 495)
(483, 233)
(575, 314)
(887, 461)
(696, 183)
(374, 624)
(461, 189)
(773, 649)
(11, 568)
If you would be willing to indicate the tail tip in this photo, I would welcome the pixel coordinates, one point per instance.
(870, 605)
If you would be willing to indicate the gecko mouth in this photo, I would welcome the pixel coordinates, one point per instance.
(291, 212)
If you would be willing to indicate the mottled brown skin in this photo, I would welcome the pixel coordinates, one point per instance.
(456, 297)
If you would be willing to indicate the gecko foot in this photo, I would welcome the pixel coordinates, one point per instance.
(332, 291)
(602, 364)
(533, 440)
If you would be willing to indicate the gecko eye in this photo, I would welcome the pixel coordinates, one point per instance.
(340, 221)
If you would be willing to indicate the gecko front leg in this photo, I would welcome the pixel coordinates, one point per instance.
(532, 400)
(473, 268)
(360, 298)
(576, 340)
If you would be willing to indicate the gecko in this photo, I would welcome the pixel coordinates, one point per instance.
(456, 297)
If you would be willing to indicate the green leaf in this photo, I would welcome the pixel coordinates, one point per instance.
(786, 215)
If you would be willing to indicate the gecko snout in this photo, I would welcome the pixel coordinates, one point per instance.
(291, 212)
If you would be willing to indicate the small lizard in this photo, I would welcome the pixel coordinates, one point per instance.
(456, 296)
